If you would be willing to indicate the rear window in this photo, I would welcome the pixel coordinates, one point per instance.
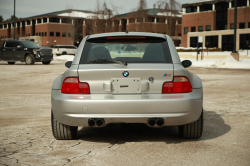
(127, 49)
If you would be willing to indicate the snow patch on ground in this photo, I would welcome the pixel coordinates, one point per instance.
(228, 62)
(64, 57)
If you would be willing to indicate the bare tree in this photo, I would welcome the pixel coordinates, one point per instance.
(170, 8)
(140, 14)
(74, 28)
(101, 20)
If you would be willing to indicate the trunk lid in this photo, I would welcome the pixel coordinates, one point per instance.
(109, 78)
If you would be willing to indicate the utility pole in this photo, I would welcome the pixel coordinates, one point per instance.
(14, 18)
(235, 25)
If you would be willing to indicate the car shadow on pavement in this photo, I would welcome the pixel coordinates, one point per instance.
(214, 126)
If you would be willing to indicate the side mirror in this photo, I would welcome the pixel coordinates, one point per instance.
(186, 63)
(68, 64)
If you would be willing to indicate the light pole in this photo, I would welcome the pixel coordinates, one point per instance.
(14, 18)
(247, 46)
(77, 43)
(55, 42)
(47, 43)
(207, 47)
(235, 25)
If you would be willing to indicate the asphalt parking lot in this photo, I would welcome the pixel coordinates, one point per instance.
(26, 137)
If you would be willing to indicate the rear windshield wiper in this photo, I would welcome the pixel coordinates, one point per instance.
(108, 60)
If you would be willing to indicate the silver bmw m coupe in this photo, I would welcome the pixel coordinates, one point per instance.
(127, 77)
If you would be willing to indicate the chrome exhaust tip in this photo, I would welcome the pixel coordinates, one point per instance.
(152, 122)
(91, 122)
(160, 122)
(99, 122)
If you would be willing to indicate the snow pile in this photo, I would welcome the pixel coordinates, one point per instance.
(228, 62)
(64, 57)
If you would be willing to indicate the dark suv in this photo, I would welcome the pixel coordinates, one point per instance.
(25, 51)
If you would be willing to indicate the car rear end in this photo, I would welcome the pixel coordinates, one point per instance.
(150, 86)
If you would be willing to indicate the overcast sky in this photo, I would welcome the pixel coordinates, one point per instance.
(27, 8)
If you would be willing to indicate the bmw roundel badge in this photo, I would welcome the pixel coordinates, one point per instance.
(125, 73)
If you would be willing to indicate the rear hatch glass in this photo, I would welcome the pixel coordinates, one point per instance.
(131, 49)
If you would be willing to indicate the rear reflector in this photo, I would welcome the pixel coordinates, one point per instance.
(127, 37)
(178, 85)
(71, 85)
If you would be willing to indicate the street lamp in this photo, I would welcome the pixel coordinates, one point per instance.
(207, 47)
(77, 43)
(47, 43)
(247, 46)
(55, 42)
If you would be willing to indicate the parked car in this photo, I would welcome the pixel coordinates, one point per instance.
(65, 50)
(127, 78)
(25, 51)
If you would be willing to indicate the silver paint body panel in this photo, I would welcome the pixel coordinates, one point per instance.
(122, 107)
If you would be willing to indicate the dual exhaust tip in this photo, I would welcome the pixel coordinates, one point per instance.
(96, 122)
(156, 122)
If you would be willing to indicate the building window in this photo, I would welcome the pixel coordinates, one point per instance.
(208, 28)
(36, 34)
(42, 33)
(51, 33)
(200, 28)
(193, 29)
(63, 34)
(191, 9)
(44, 20)
(244, 41)
(249, 25)
(232, 26)
(28, 22)
(242, 25)
(57, 34)
(211, 41)
(185, 30)
(39, 33)
(179, 34)
(45, 33)
(69, 35)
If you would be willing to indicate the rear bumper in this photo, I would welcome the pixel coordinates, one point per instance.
(175, 109)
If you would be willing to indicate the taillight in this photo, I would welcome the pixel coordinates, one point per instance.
(71, 85)
(178, 85)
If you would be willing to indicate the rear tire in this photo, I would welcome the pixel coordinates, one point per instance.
(29, 60)
(61, 131)
(64, 53)
(46, 62)
(192, 130)
(11, 63)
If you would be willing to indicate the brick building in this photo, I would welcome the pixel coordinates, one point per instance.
(56, 28)
(214, 20)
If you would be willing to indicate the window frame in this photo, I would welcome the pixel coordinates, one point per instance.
(186, 28)
(51, 34)
(242, 23)
(58, 34)
(193, 28)
(207, 27)
(199, 28)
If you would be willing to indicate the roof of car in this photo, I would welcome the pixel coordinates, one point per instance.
(127, 34)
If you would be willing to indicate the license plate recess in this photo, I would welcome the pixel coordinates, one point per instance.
(126, 85)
